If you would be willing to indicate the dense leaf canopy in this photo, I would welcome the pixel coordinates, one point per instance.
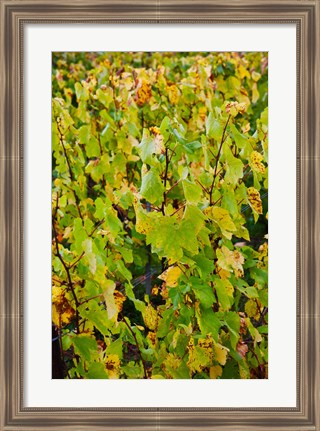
(159, 214)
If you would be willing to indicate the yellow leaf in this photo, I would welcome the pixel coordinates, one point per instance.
(215, 371)
(255, 93)
(255, 162)
(171, 276)
(256, 76)
(112, 308)
(252, 309)
(254, 200)
(150, 317)
(143, 223)
(220, 354)
(223, 219)
(62, 312)
(119, 299)
(230, 260)
(173, 94)
(157, 376)
(143, 92)
(112, 364)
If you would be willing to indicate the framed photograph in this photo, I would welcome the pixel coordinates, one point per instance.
(159, 215)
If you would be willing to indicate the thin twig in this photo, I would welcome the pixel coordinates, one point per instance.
(70, 170)
(203, 187)
(180, 208)
(70, 285)
(165, 178)
(172, 187)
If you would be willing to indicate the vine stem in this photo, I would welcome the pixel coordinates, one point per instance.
(69, 169)
(70, 285)
(137, 345)
(163, 205)
(223, 138)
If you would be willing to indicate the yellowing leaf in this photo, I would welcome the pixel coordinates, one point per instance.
(144, 223)
(173, 94)
(109, 288)
(198, 358)
(62, 312)
(158, 140)
(91, 257)
(215, 371)
(112, 364)
(192, 191)
(220, 354)
(255, 93)
(256, 76)
(150, 145)
(150, 317)
(230, 260)
(119, 299)
(224, 291)
(254, 200)
(151, 187)
(252, 309)
(171, 276)
(143, 92)
(255, 162)
(223, 219)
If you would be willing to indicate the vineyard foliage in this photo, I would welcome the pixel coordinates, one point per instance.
(159, 215)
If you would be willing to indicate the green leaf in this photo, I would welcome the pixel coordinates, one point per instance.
(79, 235)
(127, 254)
(91, 257)
(165, 239)
(232, 320)
(105, 96)
(165, 128)
(224, 291)
(208, 322)
(100, 206)
(81, 92)
(85, 346)
(214, 128)
(203, 292)
(123, 270)
(191, 147)
(97, 316)
(139, 305)
(204, 264)
(175, 297)
(234, 167)
(152, 188)
(97, 370)
(229, 201)
(241, 141)
(192, 191)
(133, 370)
(165, 323)
(195, 215)
(90, 141)
(233, 87)
(112, 222)
(115, 348)
(149, 147)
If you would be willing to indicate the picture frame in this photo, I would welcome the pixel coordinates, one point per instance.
(14, 15)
